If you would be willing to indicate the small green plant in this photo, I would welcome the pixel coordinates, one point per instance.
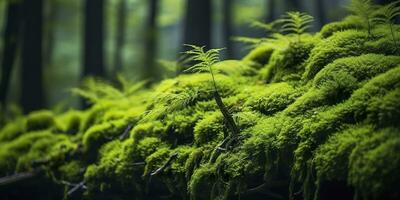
(205, 61)
(271, 29)
(94, 90)
(386, 15)
(365, 10)
(295, 23)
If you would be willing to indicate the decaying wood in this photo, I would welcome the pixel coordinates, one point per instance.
(16, 177)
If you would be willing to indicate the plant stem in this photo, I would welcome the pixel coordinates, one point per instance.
(393, 35)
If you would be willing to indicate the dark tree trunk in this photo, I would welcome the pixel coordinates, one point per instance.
(51, 14)
(149, 70)
(198, 23)
(32, 93)
(120, 36)
(10, 41)
(93, 60)
(227, 25)
(320, 6)
(293, 5)
(270, 16)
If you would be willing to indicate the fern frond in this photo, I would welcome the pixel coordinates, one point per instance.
(386, 14)
(271, 27)
(204, 59)
(94, 90)
(365, 10)
(295, 23)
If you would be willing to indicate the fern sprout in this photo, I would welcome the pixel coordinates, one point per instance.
(296, 23)
(270, 28)
(386, 15)
(365, 10)
(205, 60)
(94, 90)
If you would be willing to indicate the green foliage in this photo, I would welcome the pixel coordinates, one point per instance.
(365, 10)
(386, 15)
(296, 23)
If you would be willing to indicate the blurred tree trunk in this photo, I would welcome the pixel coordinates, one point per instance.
(120, 36)
(198, 23)
(150, 71)
(227, 26)
(51, 14)
(10, 43)
(32, 93)
(321, 17)
(270, 16)
(93, 58)
(293, 5)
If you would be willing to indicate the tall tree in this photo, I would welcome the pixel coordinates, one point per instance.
(293, 5)
(10, 41)
(198, 23)
(270, 16)
(32, 93)
(227, 26)
(150, 70)
(320, 6)
(93, 59)
(120, 36)
(50, 16)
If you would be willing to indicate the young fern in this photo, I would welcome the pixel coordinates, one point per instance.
(271, 29)
(365, 10)
(206, 59)
(296, 23)
(386, 15)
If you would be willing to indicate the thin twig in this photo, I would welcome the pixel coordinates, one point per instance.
(16, 177)
(126, 132)
(166, 164)
(76, 187)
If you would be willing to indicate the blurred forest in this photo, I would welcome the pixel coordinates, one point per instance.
(48, 46)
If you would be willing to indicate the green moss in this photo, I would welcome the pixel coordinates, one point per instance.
(12, 130)
(19, 154)
(209, 129)
(350, 22)
(261, 54)
(70, 122)
(385, 110)
(273, 98)
(148, 146)
(39, 120)
(99, 134)
(199, 185)
(148, 129)
(374, 164)
(236, 68)
(72, 171)
(331, 159)
(286, 63)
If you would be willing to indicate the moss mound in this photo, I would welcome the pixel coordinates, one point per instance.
(318, 118)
